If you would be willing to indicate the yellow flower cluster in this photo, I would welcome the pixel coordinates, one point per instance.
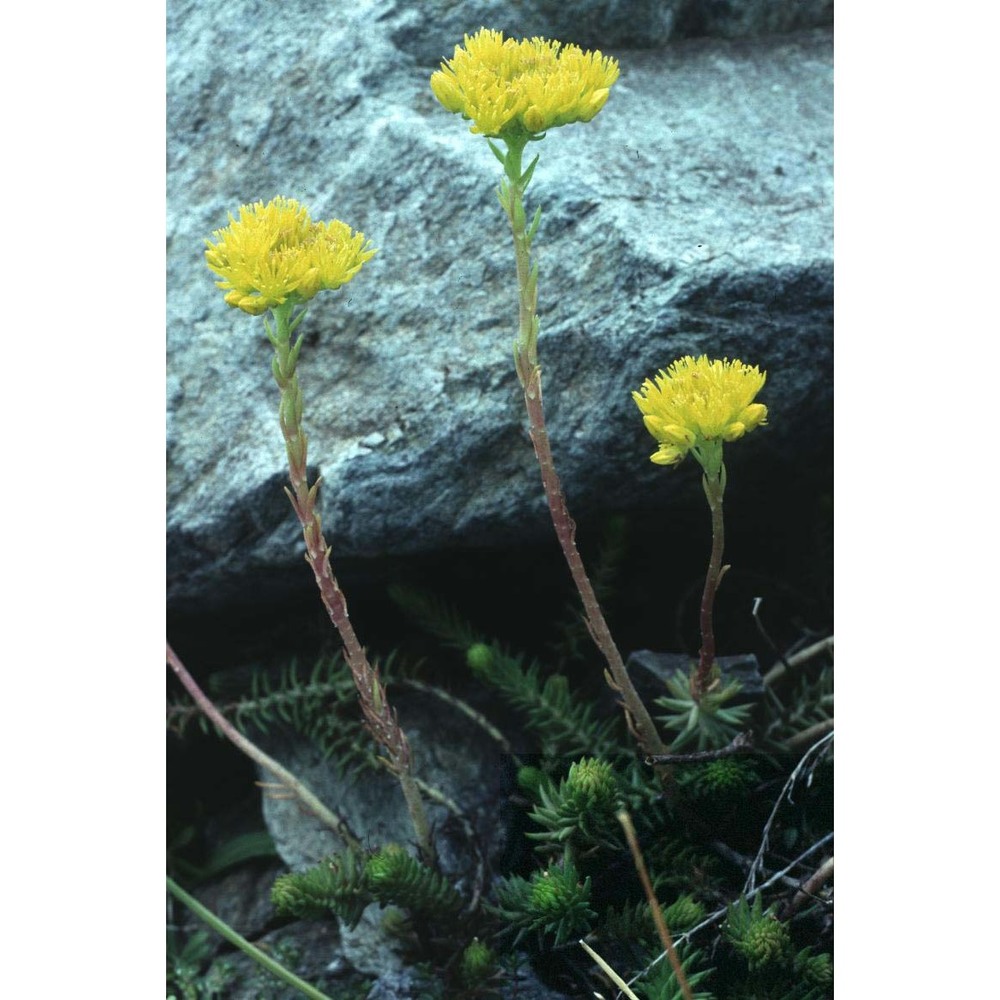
(530, 85)
(274, 252)
(697, 402)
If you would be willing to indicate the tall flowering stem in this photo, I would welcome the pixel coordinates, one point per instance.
(515, 91)
(275, 258)
(695, 406)
(379, 716)
(529, 374)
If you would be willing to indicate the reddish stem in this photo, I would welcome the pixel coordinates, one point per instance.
(379, 716)
(308, 798)
(706, 657)
(638, 718)
(529, 374)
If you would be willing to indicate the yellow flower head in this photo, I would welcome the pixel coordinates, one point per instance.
(696, 404)
(530, 86)
(274, 252)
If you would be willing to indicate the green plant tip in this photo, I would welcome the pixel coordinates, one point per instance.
(478, 963)
(479, 657)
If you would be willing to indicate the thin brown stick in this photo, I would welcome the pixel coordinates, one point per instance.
(741, 743)
(809, 760)
(809, 888)
(661, 925)
(336, 822)
(796, 660)
(745, 863)
(808, 736)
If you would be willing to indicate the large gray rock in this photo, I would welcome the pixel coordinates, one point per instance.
(692, 215)
(429, 30)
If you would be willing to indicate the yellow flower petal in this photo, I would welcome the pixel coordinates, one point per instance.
(275, 251)
(697, 403)
(530, 85)
(754, 415)
(667, 455)
(675, 434)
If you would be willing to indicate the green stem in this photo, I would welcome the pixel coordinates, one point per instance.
(337, 823)
(260, 957)
(714, 488)
(379, 717)
(512, 200)
(529, 373)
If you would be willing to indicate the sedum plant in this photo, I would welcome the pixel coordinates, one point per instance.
(694, 407)
(553, 903)
(477, 966)
(273, 259)
(756, 933)
(707, 720)
(397, 878)
(581, 810)
(513, 92)
(270, 261)
(338, 884)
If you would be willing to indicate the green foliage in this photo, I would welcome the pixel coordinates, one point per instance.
(709, 723)
(633, 922)
(807, 702)
(479, 658)
(776, 983)
(581, 810)
(552, 902)
(188, 973)
(531, 779)
(660, 983)
(572, 809)
(723, 778)
(630, 922)
(678, 865)
(395, 877)
(339, 884)
(566, 725)
(756, 933)
(643, 796)
(436, 616)
(321, 705)
(234, 852)
(573, 812)
(814, 970)
(477, 965)
(683, 913)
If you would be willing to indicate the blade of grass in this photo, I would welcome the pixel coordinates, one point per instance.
(262, 959)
